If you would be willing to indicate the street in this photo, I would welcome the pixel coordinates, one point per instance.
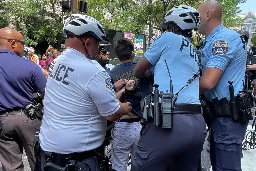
(248, 160)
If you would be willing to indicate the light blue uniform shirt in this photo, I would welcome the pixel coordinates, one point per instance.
(226, 50)
(181, 59)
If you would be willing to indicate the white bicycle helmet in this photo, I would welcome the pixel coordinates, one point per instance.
(80, 25)
(186, 17)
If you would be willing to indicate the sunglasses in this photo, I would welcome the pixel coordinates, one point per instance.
(14, 40)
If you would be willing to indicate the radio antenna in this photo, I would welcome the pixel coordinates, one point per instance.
(171, 86)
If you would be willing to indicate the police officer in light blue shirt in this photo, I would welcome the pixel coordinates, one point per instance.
(173, 52)
(224, 59)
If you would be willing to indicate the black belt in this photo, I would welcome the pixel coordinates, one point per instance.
(63, 158)
(15, 111)
(131, 120)
(181, 108)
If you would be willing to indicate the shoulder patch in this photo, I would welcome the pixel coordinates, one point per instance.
(109, 84)
(220, 47)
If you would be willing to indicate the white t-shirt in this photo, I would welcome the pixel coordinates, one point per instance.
(78, 94)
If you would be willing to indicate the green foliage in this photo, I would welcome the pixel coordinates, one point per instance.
(42, 20)
(119, 15)
(253, 40)
(38, 20)
(3, 19)
(230, 11)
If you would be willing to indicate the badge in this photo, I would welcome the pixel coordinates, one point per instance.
(220, 47)
(109, 84)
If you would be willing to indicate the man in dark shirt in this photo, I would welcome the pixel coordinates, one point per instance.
(19, 79)
(126, 132)
(103, 59)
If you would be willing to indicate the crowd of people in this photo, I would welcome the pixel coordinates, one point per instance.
(155, 104)
(44, 60)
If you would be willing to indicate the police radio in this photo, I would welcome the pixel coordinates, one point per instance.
(160, 106)
(168, 100)
(163, 110)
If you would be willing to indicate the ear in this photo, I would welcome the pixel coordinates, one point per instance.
(88, 42)
(13, 44)
(208, 15)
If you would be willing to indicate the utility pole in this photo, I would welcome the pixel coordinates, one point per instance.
(74, 6)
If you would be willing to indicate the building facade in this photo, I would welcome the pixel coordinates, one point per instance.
(249, 23)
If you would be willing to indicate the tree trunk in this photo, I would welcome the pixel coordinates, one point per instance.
(150, 26)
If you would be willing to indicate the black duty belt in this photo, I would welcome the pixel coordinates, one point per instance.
(63, 158)
(15, 111)
(181, 108)
(131, 120)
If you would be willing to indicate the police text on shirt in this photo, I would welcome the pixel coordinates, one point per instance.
(186, 44)
(61, 70)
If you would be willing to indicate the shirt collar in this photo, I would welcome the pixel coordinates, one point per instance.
(71, 50)
(127, 63)
(213, 33)
(7, 51)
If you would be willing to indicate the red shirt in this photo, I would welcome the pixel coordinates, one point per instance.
(43, 63)
(49, 61)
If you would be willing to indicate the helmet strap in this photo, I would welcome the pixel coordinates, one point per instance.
(85, 49)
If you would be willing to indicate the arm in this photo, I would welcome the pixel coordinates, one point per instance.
(120, 93)
(209, 79)
(38, 80)
(118, 85)
(222, 53)
(251, 67)
(102, 93)
(130, 85)
(141, 69)
(48, 49)
(151, 57)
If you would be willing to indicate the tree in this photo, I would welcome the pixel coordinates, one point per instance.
(3, 21)
(230, 12)
(119, 15)
(38, 20)
(42, 20)
(253, 40)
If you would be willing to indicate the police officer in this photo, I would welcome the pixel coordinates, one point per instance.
(172, 53)
(103, 59)
(125, 144)
(224, 59)
(79, 99)
(250, 74)
(19, 79)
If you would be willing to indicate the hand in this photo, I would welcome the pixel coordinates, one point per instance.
(126, 107)
(130, 85)
(50, 47)
(120, 93)
(120, 84)
(251, 67)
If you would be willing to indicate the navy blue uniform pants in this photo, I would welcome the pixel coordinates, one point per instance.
(226, 144)
(180, 147)
(86, 164)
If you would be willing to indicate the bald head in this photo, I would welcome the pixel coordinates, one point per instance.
(210, 15)
(11, 39)
(10, 33)
(214, 8)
